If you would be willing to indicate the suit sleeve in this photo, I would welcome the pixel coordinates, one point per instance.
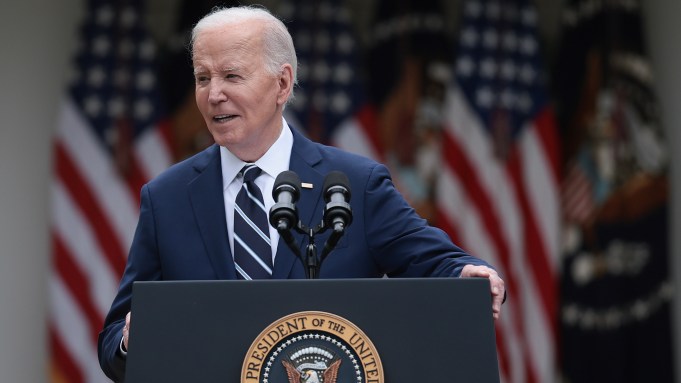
(143, 264)
(402, 242)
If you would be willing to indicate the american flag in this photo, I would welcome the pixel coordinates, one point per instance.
(498, 193)
(577, 202)
(330, 90)
(109, 141)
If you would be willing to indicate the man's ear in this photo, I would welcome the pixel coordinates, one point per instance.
(285, 83)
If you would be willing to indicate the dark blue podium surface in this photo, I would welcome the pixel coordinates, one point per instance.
(424, 330)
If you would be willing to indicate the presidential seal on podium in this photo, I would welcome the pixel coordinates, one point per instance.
(312, 347)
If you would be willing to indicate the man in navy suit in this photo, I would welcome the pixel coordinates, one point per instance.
(245, 70)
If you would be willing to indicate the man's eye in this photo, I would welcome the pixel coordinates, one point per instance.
(232, 76)
(202, 79)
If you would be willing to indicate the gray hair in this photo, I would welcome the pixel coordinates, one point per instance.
(277, 42)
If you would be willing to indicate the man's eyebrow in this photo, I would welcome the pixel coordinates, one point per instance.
(223, 70)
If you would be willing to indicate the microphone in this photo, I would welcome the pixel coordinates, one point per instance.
(284, 214)
(337, 213)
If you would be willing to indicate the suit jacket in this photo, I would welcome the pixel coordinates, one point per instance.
(182, 231)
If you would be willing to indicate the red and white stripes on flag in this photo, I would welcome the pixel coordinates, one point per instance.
(95, 199)
(498, 193)
(577, 194)
(507, 212)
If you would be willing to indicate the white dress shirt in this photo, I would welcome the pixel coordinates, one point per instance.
(273, 162)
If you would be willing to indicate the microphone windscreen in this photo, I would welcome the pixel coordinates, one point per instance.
(286, 177)
(336, 178)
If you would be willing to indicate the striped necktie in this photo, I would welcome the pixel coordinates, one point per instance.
(252, 247)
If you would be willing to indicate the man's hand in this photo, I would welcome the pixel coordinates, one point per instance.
(126, 331)
(496, 284)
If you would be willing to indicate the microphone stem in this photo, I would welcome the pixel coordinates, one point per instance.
(312, 264)
(336, 234)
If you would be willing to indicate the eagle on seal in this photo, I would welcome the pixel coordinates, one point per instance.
(311, 376)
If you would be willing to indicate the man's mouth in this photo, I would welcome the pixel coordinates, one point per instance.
(223, 117)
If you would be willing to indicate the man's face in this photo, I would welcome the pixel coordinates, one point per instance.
(240, 101)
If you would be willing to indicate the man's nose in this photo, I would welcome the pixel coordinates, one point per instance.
(217, 93)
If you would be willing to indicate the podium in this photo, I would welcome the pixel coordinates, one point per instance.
(416, 330)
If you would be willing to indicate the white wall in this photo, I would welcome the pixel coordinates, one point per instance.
(35, 40)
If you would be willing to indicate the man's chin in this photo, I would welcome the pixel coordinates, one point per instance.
(225, 136)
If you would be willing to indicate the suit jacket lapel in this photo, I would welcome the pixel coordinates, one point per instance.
(305, 157)
(205, 193)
